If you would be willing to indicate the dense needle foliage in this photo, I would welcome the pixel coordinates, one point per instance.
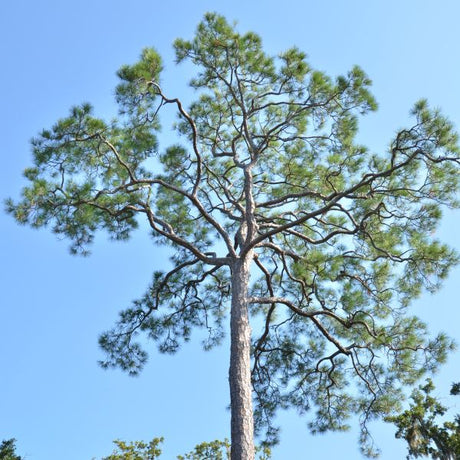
(8, 450)
(424, 428)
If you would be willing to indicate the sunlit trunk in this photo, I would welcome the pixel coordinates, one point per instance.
(242, 424)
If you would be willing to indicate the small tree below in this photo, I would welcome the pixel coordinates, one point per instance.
(136, 450)
(8, 450)
(423, 428)
(214, 450)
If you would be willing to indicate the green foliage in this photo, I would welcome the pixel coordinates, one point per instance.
(342, 239)
(139, 450)
(215, 450)
(8, 450)
(220, 450)
(136, 450)
(423, 428)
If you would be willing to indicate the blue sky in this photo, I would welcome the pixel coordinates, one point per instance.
(53, 397)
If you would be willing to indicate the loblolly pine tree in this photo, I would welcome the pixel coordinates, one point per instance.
(265, 182)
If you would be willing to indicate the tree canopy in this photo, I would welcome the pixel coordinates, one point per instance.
(423, 428)
(137, 450)
(8, 450)
(273, 211)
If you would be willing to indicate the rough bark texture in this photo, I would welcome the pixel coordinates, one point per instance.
(242, 424)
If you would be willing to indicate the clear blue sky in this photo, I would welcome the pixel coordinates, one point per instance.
(53, 397)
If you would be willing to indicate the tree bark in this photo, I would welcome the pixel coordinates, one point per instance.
(242, 423)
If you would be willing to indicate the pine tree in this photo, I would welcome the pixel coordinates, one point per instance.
(275, 214)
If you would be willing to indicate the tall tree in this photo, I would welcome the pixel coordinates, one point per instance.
(267, 181)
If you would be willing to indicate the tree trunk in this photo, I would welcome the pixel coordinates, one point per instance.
(242, 424)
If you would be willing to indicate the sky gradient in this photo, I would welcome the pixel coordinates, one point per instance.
(54, 399)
